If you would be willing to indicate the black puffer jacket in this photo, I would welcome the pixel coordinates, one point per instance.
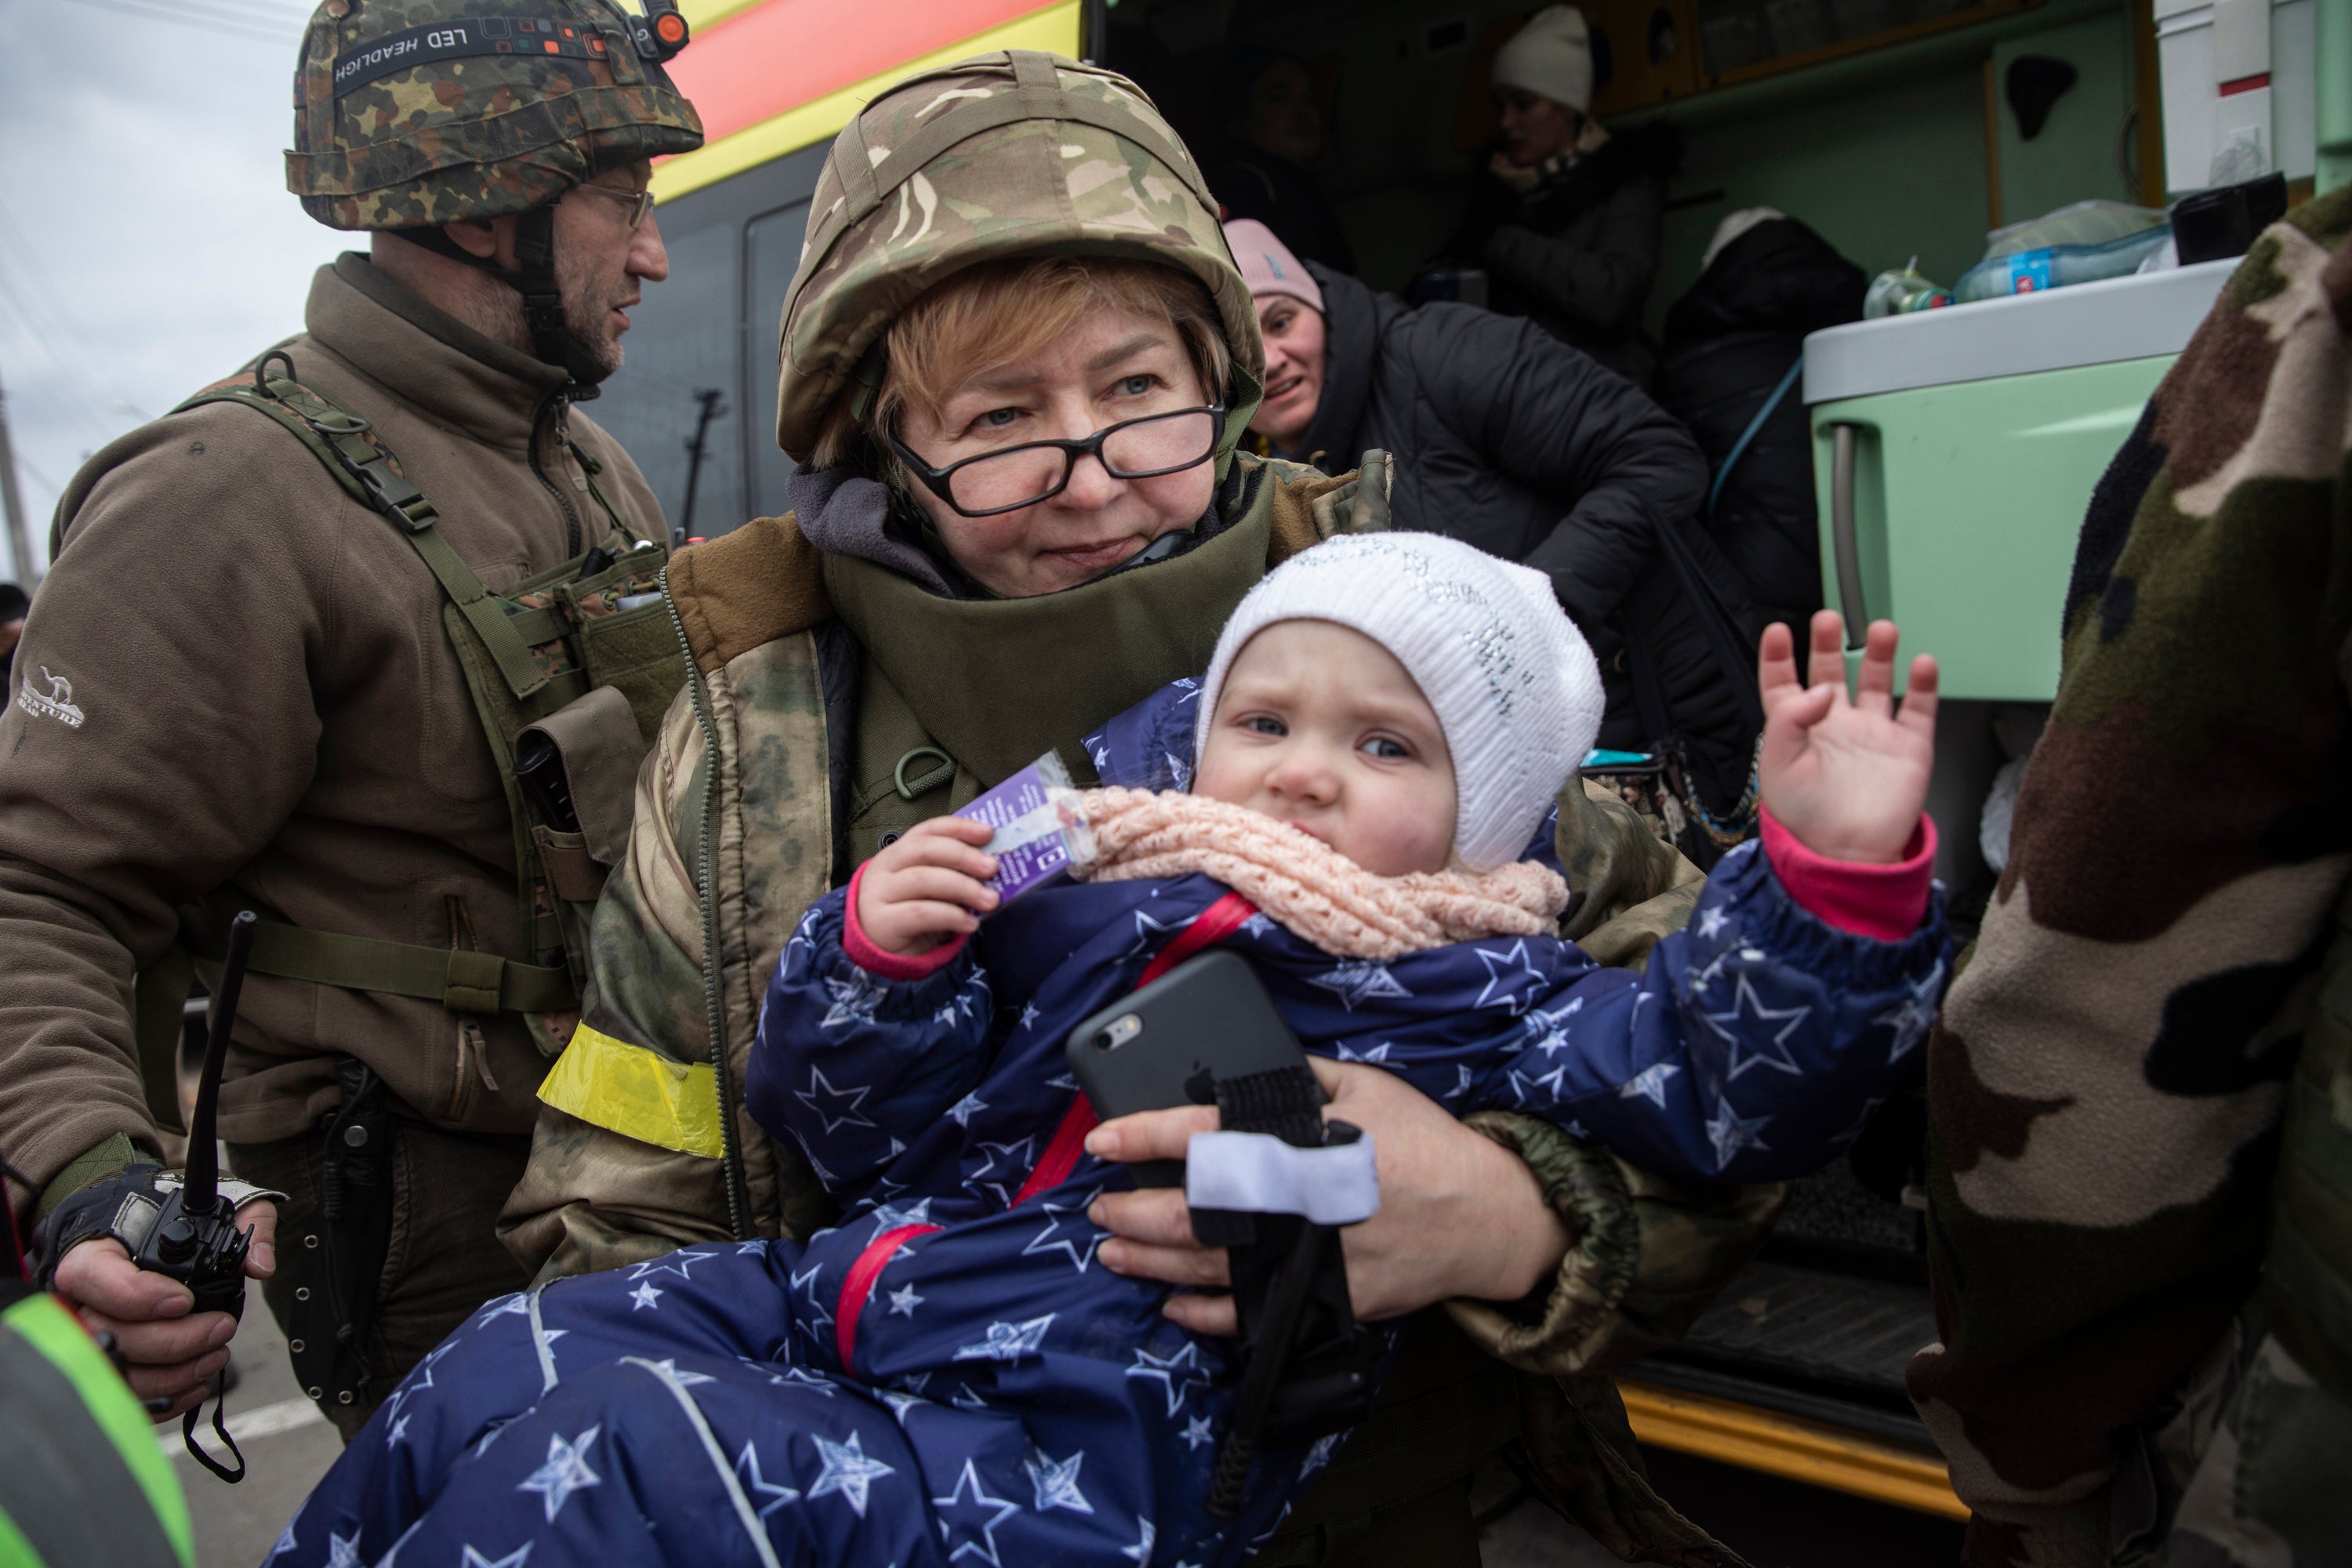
(1254, 182)
(1729, 342)
(1506, 439)
(1579, 252)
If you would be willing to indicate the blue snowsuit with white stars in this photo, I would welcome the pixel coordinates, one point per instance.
(948, 1374)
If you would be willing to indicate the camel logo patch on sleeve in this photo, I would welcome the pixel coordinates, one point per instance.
(58, 704)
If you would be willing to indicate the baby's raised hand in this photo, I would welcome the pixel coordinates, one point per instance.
(1848, 778)
(928, 886)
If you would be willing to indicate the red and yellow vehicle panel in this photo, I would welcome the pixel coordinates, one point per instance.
(773, 75)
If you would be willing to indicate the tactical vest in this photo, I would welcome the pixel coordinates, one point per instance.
(587, 654)
(2307, 1276)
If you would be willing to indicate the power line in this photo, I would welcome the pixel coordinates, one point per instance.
(190, 16)
(52, 303)
(281, 21)
(79, 396)
(39, 477)
(263, 11)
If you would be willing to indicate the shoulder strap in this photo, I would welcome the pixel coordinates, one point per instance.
(347, 446)
(1739, 447)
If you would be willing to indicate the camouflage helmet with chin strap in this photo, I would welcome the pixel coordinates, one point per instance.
(1009, 155)
(409, 114)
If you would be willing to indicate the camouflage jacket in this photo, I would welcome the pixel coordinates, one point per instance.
(2106, 1085)
(626, 1161)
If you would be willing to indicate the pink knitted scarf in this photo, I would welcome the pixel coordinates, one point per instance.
(1308, 885)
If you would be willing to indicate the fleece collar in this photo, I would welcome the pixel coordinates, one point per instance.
(997, 682)
(427, 357)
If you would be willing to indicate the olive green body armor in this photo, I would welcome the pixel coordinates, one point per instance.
(586, 655)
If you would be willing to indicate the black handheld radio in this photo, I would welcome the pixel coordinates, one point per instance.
(195, 1238)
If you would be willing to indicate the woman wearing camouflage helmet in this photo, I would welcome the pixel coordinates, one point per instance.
(1009, 251)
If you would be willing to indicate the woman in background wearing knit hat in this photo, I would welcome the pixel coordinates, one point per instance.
(1504, 438)
(1566, 223)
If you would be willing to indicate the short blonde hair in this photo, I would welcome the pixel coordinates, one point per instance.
(1000, 311)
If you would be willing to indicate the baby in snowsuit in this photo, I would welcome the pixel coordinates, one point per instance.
(951, 1372)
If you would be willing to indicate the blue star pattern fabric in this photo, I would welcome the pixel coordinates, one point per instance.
(950, 1376)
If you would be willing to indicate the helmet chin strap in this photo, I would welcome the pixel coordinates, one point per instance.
(534, 278)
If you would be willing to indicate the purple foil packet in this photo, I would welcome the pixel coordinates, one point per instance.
(1040, 831)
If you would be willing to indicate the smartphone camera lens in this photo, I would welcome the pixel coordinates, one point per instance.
(1103, 1041)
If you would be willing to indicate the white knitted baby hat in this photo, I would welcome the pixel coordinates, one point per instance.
(1512, 684)
(1551, 56)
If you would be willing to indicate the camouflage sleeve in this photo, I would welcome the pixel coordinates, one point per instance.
(2111, 1065)
(593, 1197)
(1627, 887)
(1649, 1254)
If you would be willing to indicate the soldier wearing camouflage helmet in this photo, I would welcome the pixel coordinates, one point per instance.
(281, 663)
(1012, 266)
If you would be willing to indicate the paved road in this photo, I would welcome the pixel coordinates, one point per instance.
(1773, 1523)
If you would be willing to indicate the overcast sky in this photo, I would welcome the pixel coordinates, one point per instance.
(148, 244)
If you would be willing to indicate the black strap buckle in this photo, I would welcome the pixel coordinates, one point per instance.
(1310, 1364)
(392, 492)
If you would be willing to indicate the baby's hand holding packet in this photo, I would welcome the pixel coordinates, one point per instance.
(1041, 833)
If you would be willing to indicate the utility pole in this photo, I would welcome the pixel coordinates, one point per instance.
(20, 535)
(709, 397)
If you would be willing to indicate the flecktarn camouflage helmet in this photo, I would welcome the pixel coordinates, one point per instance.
(1015, 154)
(414, 113)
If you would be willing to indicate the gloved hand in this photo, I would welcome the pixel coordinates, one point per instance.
(83, 1250)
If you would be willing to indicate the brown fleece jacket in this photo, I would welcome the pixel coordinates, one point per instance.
(267, 701)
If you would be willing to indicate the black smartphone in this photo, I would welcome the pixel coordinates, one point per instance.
(1165, 1045)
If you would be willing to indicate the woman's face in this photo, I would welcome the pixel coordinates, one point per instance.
(1535, 128)
(1118, 366)
(1283, 117)
(1294, 369)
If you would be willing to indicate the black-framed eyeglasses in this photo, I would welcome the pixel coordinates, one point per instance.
(641, 202)
(1021, 476)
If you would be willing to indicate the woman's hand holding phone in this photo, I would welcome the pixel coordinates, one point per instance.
(1460, 1216)
(928, 886)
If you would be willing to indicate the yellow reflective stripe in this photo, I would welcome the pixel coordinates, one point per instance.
(1784, 1445)
(635, 1092)
(56, 1334)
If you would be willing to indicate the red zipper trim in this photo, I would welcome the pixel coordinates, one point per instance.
(1061, 1156)
(858, 1289)
(1216, 923)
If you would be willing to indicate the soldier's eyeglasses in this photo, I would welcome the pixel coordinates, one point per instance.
(1021, 476)
(641, 202)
